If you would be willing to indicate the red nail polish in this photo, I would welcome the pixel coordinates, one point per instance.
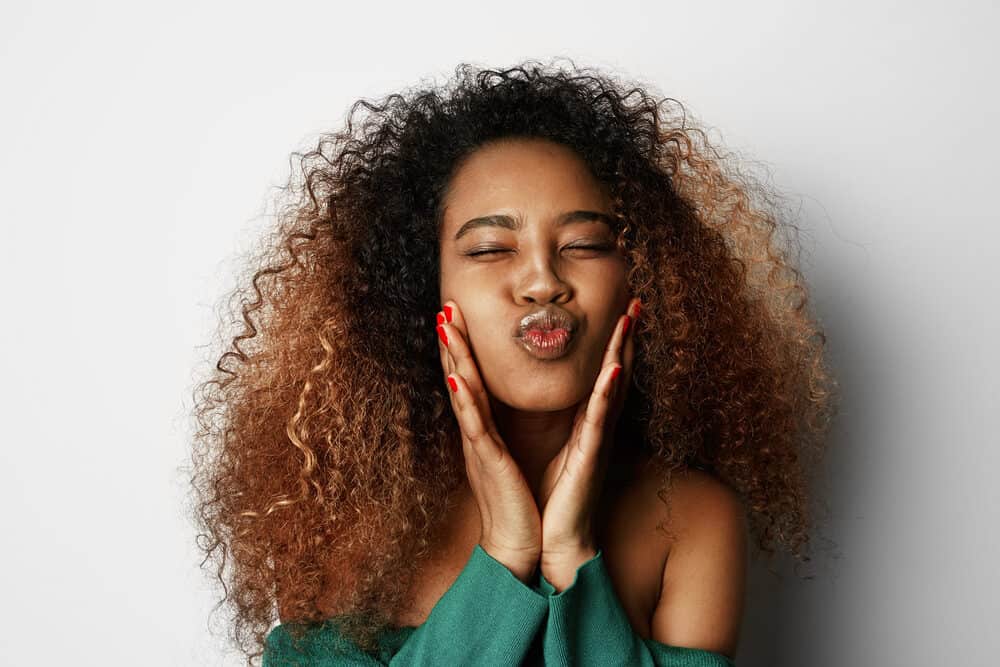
(442, 335)
(452, 384)
(440, 318)
(628, 320)
(447, 313)
(614, 373)
(637, 309)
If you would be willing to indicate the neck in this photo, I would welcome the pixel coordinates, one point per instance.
(533, 438)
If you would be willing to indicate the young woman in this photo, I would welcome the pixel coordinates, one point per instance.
(520, 373)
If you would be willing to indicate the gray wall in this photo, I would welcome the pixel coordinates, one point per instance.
(138, 149)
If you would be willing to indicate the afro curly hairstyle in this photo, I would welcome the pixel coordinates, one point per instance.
(325, 447)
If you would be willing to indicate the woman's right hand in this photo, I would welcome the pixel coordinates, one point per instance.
(511, 524)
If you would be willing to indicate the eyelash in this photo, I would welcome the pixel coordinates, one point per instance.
(573, 247)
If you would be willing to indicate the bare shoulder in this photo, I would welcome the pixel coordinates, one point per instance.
(640, 531)
(697, 503)
(702, 591)
(703, 503)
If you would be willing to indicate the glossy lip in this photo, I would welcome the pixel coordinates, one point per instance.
(542, 346)
(546, 334)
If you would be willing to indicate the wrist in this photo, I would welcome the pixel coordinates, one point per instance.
(520, 564)
(559, 569)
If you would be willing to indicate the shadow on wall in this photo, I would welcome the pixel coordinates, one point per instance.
(788, 605)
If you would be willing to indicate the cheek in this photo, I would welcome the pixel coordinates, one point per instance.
(606, 303)
(605, 280)
(449, 277)
(486, 337)
(444, 283)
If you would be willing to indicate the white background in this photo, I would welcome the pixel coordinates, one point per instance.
(140, 146)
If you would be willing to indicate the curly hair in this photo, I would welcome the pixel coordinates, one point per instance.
(325, 447)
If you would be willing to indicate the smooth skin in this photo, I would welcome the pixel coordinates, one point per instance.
(537, 433)
(512, 531)
(554, 249)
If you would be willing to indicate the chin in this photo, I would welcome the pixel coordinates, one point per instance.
(551, 387)
(540, 399)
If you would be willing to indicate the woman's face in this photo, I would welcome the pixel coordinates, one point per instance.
(537, 206)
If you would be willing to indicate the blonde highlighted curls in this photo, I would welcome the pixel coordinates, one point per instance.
(325, 448)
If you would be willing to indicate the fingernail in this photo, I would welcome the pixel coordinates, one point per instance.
(447, 312)
(442, 335)
(628, 320)
(452, 384)
(440, 318)
(614, 373)
(637, 309)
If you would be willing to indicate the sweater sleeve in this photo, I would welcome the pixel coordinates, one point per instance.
(488, 616)
(587, 625)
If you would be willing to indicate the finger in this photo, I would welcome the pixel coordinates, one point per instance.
(592, 426)
(612, 356)
(451, 350)
(461, 354)
(621, 347)
(447, 363)
(612, 353)
(463, 363)
(627, 359)
(474, 429)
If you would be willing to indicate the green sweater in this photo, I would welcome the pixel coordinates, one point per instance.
(490, 617)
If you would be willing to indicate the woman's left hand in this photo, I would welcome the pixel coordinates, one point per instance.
(571, 485)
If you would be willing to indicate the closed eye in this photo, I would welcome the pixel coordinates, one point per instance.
(604, 247)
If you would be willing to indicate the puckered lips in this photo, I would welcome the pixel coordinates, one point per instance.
(546, 333)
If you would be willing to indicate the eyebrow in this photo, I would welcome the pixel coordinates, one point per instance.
(515, 224)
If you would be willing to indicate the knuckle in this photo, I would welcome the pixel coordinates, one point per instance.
(476, 435)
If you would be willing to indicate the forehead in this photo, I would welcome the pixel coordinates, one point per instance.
(534, 176)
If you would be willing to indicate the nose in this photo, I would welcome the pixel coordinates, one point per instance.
(540, 283)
